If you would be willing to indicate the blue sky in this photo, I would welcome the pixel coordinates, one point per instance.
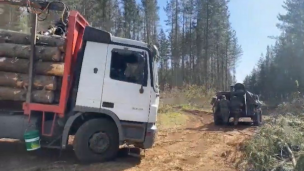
(254, 21)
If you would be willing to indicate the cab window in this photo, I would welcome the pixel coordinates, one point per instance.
(128, 66)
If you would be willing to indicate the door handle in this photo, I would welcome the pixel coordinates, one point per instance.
(141, 90)
(95, 70)
(157, 95)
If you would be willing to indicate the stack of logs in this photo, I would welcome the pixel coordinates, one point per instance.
(15, 51)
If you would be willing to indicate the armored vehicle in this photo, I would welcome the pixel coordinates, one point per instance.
(236, 103)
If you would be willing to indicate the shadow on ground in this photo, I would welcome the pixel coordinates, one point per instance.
(227, 128)
(222, 128)
(206, 119)
(14, 157)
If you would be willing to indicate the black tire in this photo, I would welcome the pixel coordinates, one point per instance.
(226, 121)
(257, 121)
(82, 139)
(217, 119)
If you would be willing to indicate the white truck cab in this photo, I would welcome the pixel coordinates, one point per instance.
(117, 80)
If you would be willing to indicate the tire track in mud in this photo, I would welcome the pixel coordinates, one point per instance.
(199, 146)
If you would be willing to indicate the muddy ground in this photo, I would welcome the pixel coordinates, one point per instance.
(197, 145)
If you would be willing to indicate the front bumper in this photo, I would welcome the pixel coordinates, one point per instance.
(140, 135)
(150, 136)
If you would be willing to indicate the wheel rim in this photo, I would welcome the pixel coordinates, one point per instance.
(99, 142)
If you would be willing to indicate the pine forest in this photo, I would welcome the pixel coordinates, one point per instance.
(197, 46)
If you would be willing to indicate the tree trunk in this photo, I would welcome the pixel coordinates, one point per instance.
(23, 51)
(206, 58)
(8, 36)
(183, 49)
(9, 79)
(14, 94)
(21, 66)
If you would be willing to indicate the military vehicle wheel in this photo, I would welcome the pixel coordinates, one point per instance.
(257, 120)
(226, 120)
(217, 118)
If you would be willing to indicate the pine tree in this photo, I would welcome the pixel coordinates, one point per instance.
(282, 67)
(199, 47)
(164, 52)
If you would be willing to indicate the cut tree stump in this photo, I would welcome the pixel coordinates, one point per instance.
(8, 36)
(44, 53)
(15, 94)
(21, 66)
(15, 80)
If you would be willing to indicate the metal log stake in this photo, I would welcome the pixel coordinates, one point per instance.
(32, 57)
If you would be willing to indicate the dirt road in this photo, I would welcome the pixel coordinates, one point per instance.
(196, 146)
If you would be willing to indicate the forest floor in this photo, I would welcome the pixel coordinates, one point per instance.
(187, 141)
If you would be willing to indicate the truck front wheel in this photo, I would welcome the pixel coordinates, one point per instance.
(96, 140)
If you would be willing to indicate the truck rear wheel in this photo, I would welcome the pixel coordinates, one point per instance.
(96, 140)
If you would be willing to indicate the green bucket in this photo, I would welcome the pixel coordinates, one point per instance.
(32, 140)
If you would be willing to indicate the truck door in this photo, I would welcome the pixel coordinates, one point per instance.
(91, 76)
(126, 75)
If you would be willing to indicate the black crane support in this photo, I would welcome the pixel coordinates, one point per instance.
(32, 57)
(54, 5)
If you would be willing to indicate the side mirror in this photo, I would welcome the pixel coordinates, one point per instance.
(141, 90)
(154, 52)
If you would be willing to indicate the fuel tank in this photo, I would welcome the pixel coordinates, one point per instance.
(14, 124)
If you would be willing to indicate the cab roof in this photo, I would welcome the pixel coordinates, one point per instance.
(128, 41)
(101, 36)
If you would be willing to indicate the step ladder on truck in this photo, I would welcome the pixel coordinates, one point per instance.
(108, 92)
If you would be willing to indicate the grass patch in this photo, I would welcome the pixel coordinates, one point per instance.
(171, 116)
(189, 107)
(279, 144)
(190, 95)
(176, 101)
(171, 120)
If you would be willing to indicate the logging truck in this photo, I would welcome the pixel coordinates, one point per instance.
(86, 83)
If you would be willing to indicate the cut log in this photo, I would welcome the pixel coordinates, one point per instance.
(49, 68)
(21, 66)
(43, 53)
(8, 36)
(15, 80)
(14, 94)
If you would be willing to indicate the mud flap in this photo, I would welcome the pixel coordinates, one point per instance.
(136, 152)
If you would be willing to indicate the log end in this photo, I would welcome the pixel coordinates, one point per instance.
(58, 56)
(43, 96)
